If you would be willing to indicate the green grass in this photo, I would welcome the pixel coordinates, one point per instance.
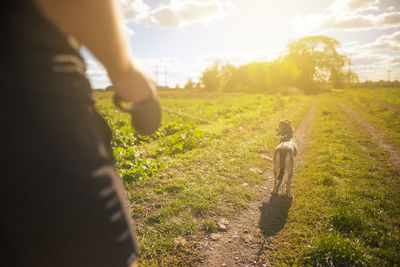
(180, 183)
(346, 208)
(189, 174)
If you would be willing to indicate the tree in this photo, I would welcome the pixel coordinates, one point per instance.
(281, 72)
(317, 59)
(352, 79)
(211, 78)
(190, 84)
(226, 74)
(257, 71)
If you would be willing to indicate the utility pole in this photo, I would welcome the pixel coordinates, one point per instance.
(389, 71)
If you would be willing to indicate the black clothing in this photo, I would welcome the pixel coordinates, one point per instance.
(62, 202)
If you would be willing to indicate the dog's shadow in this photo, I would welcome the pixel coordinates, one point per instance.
(274, 214)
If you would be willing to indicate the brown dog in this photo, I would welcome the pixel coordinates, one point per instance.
(284, 156)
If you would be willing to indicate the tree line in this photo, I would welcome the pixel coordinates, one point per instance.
(311, 63)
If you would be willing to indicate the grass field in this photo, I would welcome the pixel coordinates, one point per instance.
(199, 168)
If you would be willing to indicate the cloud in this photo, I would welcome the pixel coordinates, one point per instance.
(369, 60)
(362, 5)
(348, 15)
(389, 42)
(395, 60)
(176, 13)
(348, 22)
(351, 6)
(135, 9)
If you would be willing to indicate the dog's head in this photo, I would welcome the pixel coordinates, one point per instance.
(285, 128)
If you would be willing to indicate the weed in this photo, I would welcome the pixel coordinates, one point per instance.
(210, 226)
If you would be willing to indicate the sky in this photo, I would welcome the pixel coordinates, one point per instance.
(177, 39)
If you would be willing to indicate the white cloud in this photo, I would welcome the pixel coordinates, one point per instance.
(340, 6)
(176, 13)
(371, 61)
(348, 22)
(395, 60)
(360, 60)
(135, 9)
(389, 42)
(348, 15)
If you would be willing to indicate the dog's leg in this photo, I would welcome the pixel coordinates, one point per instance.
(276, 170)
(280, 176)
(281, 173)
(289, 161)
(281, 169)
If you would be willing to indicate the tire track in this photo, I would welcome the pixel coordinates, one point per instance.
(375, 134)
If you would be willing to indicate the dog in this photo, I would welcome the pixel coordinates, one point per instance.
(284, 155)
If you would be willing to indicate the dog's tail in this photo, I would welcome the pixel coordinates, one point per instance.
(282, 157)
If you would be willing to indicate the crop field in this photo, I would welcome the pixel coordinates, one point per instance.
(209, 167)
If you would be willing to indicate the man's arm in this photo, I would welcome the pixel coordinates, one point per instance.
(98, 25)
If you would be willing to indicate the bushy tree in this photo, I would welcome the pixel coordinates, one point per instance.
(308, 63)
(190, 84)
(318, 60)
(211, 78)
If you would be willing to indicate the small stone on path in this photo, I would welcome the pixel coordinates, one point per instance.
(266, 157)
(256, 170)
(215, 236)
(221, 226)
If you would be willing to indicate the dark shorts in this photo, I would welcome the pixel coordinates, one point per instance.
(63, 204)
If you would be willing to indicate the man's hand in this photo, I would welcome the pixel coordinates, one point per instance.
(99, 26)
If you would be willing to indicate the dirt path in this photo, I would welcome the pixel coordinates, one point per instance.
(249, 234)
(376, 135)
